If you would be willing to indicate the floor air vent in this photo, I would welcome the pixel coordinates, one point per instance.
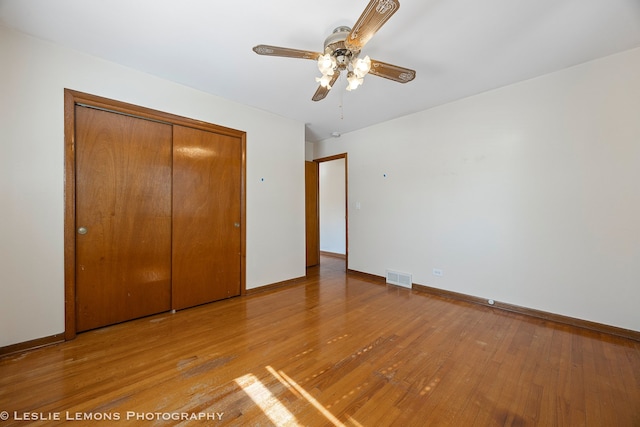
(399, 279)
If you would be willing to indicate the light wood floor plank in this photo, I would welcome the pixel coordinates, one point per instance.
(336, 349)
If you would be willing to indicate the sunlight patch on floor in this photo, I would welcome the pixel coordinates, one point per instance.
(269, 404)
(290, 383)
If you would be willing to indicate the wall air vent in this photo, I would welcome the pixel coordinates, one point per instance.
(399, 279)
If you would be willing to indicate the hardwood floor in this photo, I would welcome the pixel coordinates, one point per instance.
(335, 350)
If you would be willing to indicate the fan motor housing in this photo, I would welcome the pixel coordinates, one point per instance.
(334, 45)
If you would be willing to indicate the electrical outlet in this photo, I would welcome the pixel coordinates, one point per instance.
(438, 272)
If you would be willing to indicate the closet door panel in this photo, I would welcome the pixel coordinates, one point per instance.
(123, 217)
(206, 242)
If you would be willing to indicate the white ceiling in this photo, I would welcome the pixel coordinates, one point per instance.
(457, 47)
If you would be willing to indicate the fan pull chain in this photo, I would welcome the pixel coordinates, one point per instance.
(341, 102)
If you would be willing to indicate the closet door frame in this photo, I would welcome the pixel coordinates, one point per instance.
(73, 98)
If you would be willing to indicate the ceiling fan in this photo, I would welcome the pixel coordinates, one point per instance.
(342, 50)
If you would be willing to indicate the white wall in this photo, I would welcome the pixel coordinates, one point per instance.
(32, 78)
(529, 194)
(333, 219)
(308, 151)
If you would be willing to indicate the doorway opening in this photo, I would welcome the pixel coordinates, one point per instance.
(332, 208)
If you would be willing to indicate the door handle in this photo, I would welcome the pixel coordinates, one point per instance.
(82, 230)
(236, 224)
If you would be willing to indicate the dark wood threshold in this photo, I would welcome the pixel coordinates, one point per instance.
(558, 318)
(278, 285)
(333, 255)
(32, 344)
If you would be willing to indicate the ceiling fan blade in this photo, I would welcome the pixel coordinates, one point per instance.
(391, 72)
(374, 16)
(263, 49)
(322, 91)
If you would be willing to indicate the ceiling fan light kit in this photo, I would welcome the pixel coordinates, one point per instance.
(342, 49)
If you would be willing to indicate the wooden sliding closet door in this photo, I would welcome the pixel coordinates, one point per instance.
(207, 183)
(123, 217)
